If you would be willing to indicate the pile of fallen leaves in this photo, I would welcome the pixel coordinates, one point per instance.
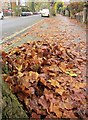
(48, 78)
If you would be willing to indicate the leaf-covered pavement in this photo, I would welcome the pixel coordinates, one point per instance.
(49, 76)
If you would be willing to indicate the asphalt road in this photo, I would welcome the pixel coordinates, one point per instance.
(13, 25)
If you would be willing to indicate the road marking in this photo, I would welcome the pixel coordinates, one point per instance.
(17, 33)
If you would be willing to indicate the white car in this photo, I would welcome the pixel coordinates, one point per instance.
(45, 13)
(1, 15)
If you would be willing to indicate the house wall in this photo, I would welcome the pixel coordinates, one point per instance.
(0, 5)
(4, 4)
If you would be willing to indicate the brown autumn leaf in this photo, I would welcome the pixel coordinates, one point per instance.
(22, 96)
(25, 83)
(78, 85)
(69, 114)
(8, 79)
(33, 104)
(54, 83)
(51, 107)
(52, 74)
(54, 108)
(53, 68)
(67, 105)
(48, 94)
(70, 65)
(29, 91)
(33, 76)
(42, 101)
(58, 112)
(43, 81)
(4, 54)
(62, 66)
(60, 90)
(35, 116)
(50, 116)
(20, 74)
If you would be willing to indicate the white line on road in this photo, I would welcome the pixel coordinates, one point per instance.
(17, 33)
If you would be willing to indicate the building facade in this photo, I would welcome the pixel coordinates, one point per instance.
(8, 4)
(5, 4)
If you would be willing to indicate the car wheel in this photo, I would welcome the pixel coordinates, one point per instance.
(2, 17)
(48, 15)
(41, 15)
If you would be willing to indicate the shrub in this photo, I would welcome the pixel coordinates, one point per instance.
(17, 11)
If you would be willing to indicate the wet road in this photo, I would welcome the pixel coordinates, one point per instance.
(13, 25)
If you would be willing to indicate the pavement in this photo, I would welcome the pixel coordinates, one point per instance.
(12, 25)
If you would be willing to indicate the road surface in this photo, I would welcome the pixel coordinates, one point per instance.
(15, 24)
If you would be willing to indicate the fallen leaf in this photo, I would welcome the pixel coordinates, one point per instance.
(43, 81)
(35, 116)
(59, 90)
(20, 74)
(54, 83)
(71, 74)
(54, 108)
(67, 105)
(33, 76)
(48, 94)
(78, 85)
(62, 66)
(69, 114)
(43, 102)
(19, 67)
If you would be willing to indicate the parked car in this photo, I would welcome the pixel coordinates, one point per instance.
(45, 13)
(26, 13)
(7, 12)
(36, 13)
(1, 15)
